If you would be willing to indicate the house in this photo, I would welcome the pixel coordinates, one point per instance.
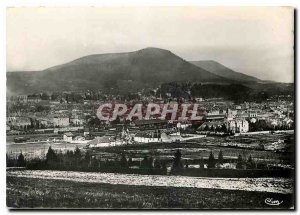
(230, 114)
(183, 125)
(61, 121)
(18, 122)
(215, 117)
(252, 114)
(147, 137)
(171, 138)
(22, 98)
(68, 137)
(253, 120)
(45, 122)
(289, 123)
(238, 126)
(33, 98)
(104, 141)
(76, 120)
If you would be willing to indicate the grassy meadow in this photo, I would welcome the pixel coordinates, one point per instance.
(47, 193)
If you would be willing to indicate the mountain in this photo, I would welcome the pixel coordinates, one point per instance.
(124, 72)
(223, 71)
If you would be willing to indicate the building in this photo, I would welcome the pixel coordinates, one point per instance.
(215, 117)
(176, 137)
(230, 114)
(105, 141)
(238, 126)
(22, 98)
(18, 122)
(253, 120)
(289, 123)
(149, 137)
(45, 122)
(183, 125)
(68, 137)
(76, 121)
(61, 121)
(252, 114)
(33, 98)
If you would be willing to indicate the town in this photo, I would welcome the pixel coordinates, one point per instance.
(74, 110)
(72, 117)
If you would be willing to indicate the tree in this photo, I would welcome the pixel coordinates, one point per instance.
(157, 164)
(94, 163)
(123, 161)
(87, 159)
(44, 96)
(224, 128)
(250, 164)
(218, 129)
(206, 128)
(201, 163)
(239, 163)
(21, 160)
(211, 161)
(220, 158)
(150, 162)
(60, 158)
(51, 156)
(177, 164)
(77, 153)
(130, 162)
(144, 163)
(70, 154)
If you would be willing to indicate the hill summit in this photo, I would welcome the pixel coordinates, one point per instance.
(127, 72)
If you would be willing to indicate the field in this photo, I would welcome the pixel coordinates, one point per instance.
(60, 189)
(192, 151)
(49, 193)
(276, 185)
(195, 149)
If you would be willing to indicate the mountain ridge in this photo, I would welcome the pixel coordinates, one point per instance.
(120, 72)
(128, 71)
(224, 71)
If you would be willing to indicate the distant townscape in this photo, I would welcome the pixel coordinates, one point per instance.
(245, 134)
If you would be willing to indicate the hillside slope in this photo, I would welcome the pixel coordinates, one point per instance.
(223, 71)
(125, 72)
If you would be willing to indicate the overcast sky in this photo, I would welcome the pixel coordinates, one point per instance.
(254, 41)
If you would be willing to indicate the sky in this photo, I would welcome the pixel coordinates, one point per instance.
(256, 41)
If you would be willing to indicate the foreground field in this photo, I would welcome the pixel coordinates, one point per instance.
(49, 193)
(274, 185)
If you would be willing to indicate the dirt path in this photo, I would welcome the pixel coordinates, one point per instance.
(273, 185)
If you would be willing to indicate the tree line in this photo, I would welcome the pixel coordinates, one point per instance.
(78, 161)
(212, 162)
